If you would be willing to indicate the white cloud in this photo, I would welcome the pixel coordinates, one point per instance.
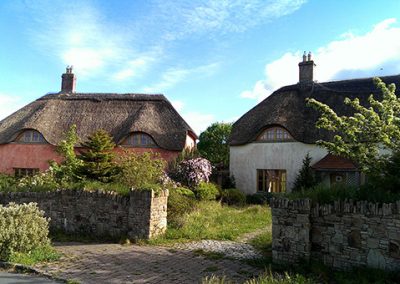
(178, 105)
(375, 53)
(135, 68)
(173, 76)
(221, 16)
(9, 104)
(198, 121)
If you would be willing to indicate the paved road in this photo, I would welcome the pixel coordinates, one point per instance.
(113, 263)
(13, 278)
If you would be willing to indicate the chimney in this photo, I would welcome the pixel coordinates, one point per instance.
(68, 82)
(306, 69)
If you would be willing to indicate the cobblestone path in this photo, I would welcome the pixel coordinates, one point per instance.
(113, 263)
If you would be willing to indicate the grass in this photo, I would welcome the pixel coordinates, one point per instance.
(41, 254)
(212, 220)
(263, 242)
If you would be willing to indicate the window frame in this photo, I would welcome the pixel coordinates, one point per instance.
(137, 139)
(24, 172)
(271, 180)
(275, 134)
(30, 136)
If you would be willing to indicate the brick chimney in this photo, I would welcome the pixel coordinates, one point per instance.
(68, 82)
(306, 69)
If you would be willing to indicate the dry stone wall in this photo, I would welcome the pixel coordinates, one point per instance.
(141, 215)
(342, 235)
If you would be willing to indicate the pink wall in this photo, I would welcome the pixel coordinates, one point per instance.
(38, 155)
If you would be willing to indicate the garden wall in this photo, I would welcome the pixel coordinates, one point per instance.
(342, 235)
(140, 215)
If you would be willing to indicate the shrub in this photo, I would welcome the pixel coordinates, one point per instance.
(305, 178)
(22, 228)
(233, 196)
(192, 172)
(7, 183)
(137, 170)
(179, 206)
(259, 198)
(44, 181)
(206, 191)
(184, 191)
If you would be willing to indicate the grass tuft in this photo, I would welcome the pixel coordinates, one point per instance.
(40, 254)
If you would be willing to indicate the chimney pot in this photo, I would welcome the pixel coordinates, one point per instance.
(68, 82)
(306, 69)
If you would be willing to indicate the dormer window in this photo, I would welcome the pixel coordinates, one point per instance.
(31, 136)
(275, 134)
(139, 139)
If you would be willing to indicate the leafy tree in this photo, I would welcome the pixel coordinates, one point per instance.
(370, 135)
(139, 170)
(213, 143)
(305, 178)
(67, 171)
(97, 157)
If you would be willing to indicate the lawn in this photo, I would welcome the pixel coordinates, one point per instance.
(214, 221)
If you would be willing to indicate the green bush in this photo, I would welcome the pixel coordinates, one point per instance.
(7, 183)
(258, 198)
(184, 191)
(233, 196)
(138, 170)
(22, 229)
(179, 206)
(206, 191)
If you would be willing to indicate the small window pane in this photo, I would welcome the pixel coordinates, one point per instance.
(139, 140)
(31, 136)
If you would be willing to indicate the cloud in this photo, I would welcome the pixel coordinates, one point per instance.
(178, 105)
(9, 104)
(135, 68)
(375, 53)
(183, 18)
(198, 121)
(173, 76)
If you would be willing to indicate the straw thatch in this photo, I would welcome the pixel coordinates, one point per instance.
(286, 107)
(119, 114)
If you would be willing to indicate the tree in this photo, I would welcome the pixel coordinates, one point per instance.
(213, 143)
(67, 171)
(305, 178)
(97, 157)
(370, 135)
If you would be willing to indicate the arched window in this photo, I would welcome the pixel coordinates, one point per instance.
(31, 136)
(139, 139)
(275, 134)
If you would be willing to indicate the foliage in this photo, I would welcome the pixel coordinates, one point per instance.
(192, 172)
(389, 178)
(186, 154)
(44, 253)
(259, 198)
(137, 170)
(305, 178)
(90, 185)
(368, 134)
(206, 191)
(263, 242)
(67, 171)
(7, 183)
(324, 194)
(184, 191)
(179, 206)
(233, 196)
(22, 228)
(98, 157)
(44, 181)
(213, 143)
(211, 220)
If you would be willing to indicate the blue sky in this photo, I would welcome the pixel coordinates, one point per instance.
(214, 60)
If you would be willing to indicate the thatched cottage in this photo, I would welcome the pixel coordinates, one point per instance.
(269, 142)
(138, 122)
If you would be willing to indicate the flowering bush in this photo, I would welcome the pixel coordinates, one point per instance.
(22, 228)
(194, 171)
(44, 180)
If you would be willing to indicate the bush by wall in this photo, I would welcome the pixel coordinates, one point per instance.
(233, 196)
(206, 191)
(22, 228)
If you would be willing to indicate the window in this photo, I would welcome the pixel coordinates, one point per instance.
(139, 139)
(23, 172)
(31, 136)
(275, 134)
(271, 180)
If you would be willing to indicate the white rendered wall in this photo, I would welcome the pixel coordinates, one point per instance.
(246, 159)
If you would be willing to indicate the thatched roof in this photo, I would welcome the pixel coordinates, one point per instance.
(119, 114)
(286, 107)
(333, 162)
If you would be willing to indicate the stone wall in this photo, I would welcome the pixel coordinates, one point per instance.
(141, 215)
(342, 235)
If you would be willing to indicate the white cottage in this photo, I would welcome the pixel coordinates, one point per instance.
(269, 142)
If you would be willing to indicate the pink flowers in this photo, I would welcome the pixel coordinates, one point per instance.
(194, 171)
